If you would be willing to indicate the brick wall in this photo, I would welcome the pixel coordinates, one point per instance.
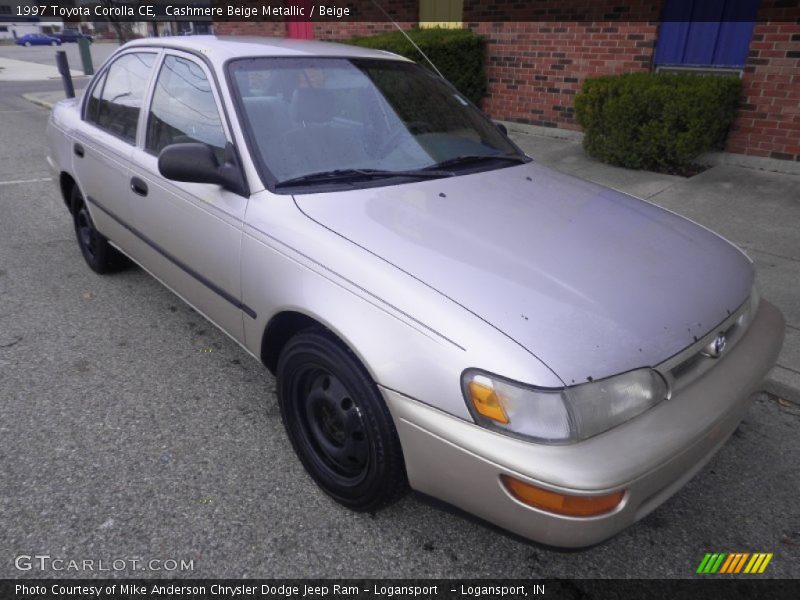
(768, 123)
(535, 69)
(371, 20)
(343, 31)
(265, 28)
(322, 31)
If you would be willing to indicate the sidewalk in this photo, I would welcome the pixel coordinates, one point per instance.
(757, 210)
(22, 70)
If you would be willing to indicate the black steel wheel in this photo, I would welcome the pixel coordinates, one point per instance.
(97, 252)
(338, 422)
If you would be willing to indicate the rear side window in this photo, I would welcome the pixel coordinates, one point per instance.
(183, 109)
(123, 89)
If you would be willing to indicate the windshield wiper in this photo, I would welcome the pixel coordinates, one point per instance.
(459, 161)
(348, 175)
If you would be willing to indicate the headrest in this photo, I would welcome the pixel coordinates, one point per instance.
(312, 105)
(270, 114)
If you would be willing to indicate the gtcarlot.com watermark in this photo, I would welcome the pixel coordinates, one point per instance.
(45, 562)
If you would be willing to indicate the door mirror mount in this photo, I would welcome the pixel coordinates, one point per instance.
(195, 162)
(231, 172)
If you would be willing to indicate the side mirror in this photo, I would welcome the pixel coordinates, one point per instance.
(501, 127)
(195, 162)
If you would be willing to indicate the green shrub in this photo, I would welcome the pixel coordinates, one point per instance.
(457, 53)
(655, 121)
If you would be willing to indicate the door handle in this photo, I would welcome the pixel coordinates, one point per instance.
(78, 150)
(138, 186)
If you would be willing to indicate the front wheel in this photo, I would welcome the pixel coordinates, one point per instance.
(27, 44)
(338, 423)
(54, 43)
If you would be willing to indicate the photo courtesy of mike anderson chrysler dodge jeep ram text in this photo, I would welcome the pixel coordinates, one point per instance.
(440, 311)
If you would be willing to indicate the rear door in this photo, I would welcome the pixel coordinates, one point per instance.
(102, 147)
(193, 231)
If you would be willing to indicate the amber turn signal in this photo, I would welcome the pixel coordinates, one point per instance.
(487, 403)
(561, 504)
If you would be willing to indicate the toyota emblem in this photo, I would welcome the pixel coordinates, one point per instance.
(716, 347)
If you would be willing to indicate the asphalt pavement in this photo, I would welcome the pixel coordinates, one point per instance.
(130, 428)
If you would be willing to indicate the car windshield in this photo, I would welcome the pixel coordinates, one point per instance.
(337, 121)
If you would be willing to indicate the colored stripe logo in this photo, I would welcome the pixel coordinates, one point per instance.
(734, 563)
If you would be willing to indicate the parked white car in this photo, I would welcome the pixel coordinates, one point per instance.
(440, 311)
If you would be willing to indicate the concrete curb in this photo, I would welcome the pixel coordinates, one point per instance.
(38, 101)
(787, 390)
(761, 163)
(551, 132)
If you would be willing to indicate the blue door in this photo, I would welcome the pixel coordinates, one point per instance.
(705, 33)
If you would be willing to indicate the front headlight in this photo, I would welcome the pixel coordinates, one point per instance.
(560, 415)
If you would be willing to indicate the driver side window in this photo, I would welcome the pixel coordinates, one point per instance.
(183, 109)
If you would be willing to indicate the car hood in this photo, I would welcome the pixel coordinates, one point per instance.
(592, 281)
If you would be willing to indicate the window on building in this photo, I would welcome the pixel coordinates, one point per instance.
(705, 33)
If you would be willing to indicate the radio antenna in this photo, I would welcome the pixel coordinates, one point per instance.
(408, 37)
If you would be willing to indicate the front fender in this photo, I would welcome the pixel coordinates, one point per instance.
(410, 338)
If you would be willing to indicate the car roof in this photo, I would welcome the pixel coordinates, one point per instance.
(222, 48)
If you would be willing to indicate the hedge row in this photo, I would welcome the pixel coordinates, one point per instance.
(655, 121)
(458, 53)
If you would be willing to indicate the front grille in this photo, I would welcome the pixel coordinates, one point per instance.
(690, 364)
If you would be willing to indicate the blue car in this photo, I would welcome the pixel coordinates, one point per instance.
(37, 39)
(72, 35)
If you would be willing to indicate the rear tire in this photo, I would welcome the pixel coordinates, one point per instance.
(97, 252)
(27, 44)
(54, 43)
(338, 423)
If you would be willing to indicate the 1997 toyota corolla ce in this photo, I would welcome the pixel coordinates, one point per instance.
(440, 311)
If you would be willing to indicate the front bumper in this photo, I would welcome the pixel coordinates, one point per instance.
(650, 457)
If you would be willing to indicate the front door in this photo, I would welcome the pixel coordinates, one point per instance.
(192, 231)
